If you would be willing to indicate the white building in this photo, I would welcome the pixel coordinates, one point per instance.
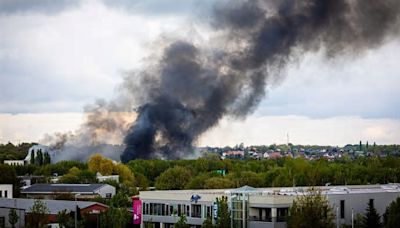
(102, 178)
(259, 207)
(6, 191)
(14, 162)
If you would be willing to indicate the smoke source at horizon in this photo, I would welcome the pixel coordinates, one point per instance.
(190, 87)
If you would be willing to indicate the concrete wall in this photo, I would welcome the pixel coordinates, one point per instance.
(20, 212)
(359, 203)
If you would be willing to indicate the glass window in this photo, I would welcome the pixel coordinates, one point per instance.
(196, 211)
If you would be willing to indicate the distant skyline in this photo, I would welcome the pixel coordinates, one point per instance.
(56, 57)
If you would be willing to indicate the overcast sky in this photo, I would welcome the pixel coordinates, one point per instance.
(58, 56)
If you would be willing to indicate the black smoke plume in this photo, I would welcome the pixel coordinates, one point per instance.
(191, 87)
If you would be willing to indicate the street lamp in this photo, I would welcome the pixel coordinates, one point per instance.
(76, 211)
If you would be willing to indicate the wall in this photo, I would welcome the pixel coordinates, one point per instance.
(6, 188)
(106, 189)
(20, 212)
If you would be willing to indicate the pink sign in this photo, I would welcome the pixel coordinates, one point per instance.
(137, 211)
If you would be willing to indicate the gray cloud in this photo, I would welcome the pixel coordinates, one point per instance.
(40, 6)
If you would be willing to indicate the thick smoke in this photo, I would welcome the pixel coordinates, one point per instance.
(190, 87)
(194, 87)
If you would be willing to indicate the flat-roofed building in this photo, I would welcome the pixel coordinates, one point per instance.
(259, 207)
(50, 191)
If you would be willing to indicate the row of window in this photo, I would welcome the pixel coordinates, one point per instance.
(5, 194)
(189, 210)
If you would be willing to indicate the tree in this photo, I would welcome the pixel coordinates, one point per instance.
(208, 223)
(391, 217)
(13, 217)
(371, 218)
(32, 161)
(311, 210)
(120, 200)
(39, 158)
(65, 220)
(46, 158)
(181, 222)
(77, 176)
(218, 183)
(38, 214)
(173, 178)
(98, 163)
(223, 213)
(114, 217)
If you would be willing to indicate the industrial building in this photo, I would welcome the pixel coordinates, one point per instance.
(80, 191)
(259, 207)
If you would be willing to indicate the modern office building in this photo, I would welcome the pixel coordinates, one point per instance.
(259, 207)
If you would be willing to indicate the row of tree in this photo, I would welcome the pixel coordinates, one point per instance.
(205, 172)
(39, 158)
(212, 172)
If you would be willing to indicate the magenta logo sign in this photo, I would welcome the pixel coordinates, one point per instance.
(137, 211)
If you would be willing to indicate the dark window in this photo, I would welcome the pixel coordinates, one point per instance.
(187, 210)
(282, 213)
(371, 202)
(2, 222)
(208, 211)
(1, 194)
(196, 211)
(342, 209)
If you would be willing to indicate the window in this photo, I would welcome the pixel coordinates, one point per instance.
(187, 210)
(282, 213)
(371, 202)
(208, 211)
(196, 211)
(342, 209)
(1, 194)
(5, 193)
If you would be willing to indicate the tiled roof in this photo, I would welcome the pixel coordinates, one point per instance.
(72, 188)
(54, 206)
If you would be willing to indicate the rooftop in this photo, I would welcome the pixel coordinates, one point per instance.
(54, 206)
(72, 188)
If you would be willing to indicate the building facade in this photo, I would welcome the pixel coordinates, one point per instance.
(259, 207)
(6, 191)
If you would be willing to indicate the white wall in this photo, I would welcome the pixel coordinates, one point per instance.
(6, 189)
(106, 189)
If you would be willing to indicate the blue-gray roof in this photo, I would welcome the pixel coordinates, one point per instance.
(54, 206)
(70, 188)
